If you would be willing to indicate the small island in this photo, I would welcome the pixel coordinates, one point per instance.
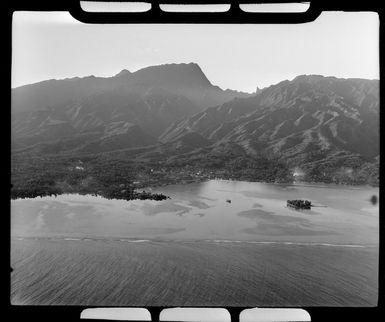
(299, 204)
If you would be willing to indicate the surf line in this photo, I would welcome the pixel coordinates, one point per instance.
(285, 243)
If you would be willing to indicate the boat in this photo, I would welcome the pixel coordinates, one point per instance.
(299, 204)
(228, 200)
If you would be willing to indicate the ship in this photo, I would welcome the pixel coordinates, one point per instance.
(299, 204)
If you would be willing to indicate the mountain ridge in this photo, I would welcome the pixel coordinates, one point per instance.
(323, 124)
(35, 95)
(283, 101)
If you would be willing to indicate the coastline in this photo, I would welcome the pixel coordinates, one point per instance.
(317, 184)
(187, 241)
(143, 195)
(148, 195)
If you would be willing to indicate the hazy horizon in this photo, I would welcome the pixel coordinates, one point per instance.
(133, 71)
(53, 45)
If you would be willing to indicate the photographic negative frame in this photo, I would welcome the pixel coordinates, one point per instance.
(155, 15)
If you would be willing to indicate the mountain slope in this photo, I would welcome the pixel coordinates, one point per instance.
(83, 109)
(295, 119)
(179, 79)
(323, 128)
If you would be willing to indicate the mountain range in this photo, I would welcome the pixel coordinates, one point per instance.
(172, 113)
(143, 103)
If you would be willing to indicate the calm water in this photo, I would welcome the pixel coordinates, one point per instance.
(199, 211)
(196, 249)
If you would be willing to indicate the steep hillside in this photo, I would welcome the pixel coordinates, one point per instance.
(81, 109)
(186, 80)
(296, 120)
(314, 128)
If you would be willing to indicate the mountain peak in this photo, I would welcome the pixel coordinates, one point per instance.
(123, 72)
(175, 66)
(194, 66)
(182, 74)
(308, 77)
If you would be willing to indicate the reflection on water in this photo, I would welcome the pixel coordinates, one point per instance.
(199, 204)
(304, 212)
(267, 223)
(166, 207)
(257, 213)
(199, 211)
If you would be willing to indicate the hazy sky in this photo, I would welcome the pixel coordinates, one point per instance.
(54, 45)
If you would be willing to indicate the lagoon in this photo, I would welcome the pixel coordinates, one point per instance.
(199, 211)
(197, 249)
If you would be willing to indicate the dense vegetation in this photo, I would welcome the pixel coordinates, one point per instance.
(119, 177)
(351, 170)
(112, 179)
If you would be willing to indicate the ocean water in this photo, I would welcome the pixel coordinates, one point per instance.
(198, 249)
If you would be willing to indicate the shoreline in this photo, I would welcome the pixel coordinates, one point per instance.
(298, 183)
(144, 195)
(160, 196)
(189, 241)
